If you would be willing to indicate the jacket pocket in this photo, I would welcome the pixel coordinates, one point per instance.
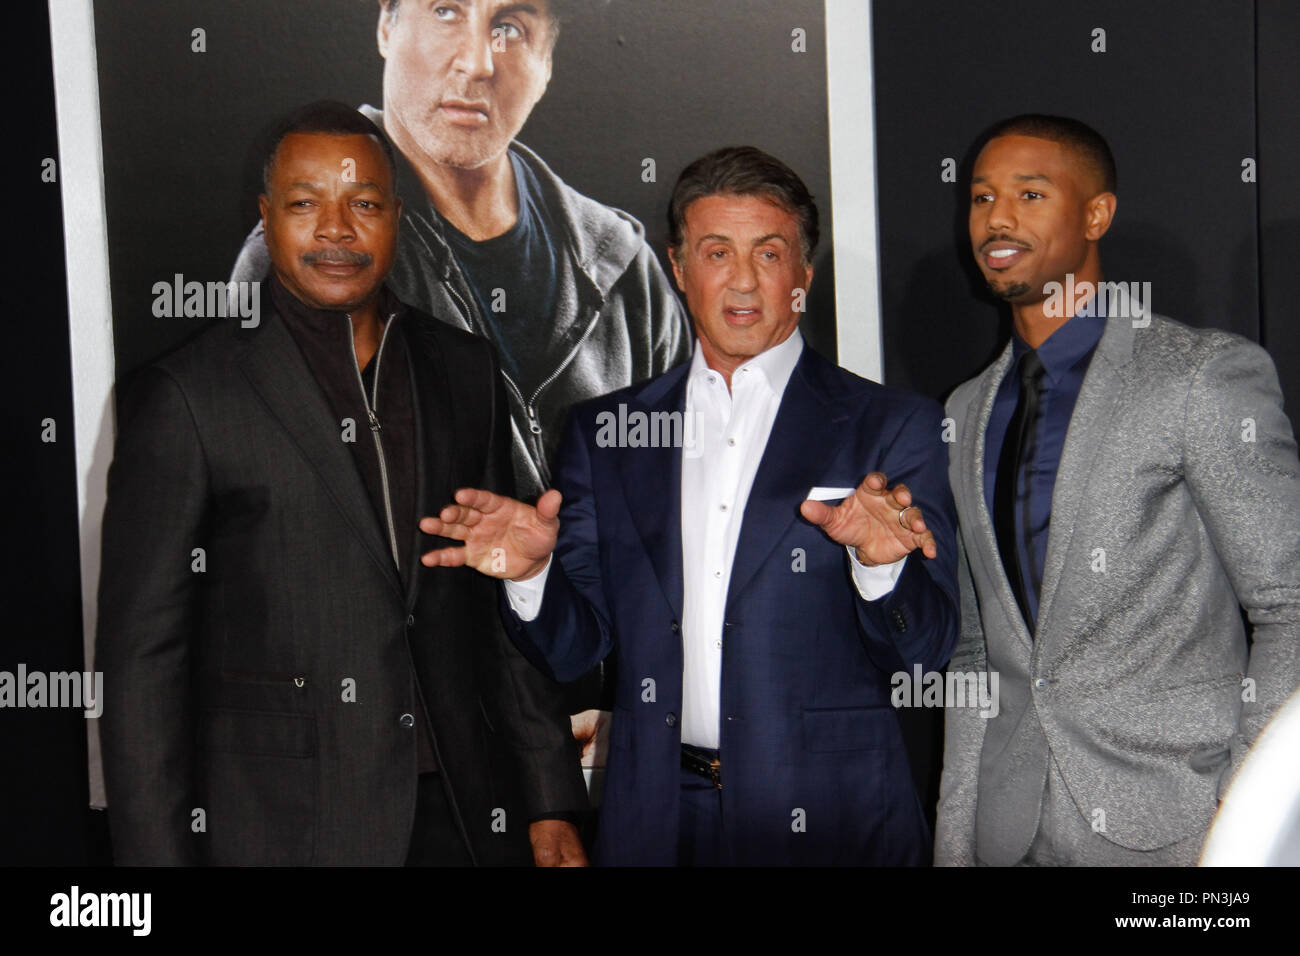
(257, 785)
(835, 729)
(264, 677)
(257, 732)
(1196, 687)
(260, 692)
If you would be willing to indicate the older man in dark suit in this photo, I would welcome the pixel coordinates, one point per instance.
(761, 583)
(285, 683)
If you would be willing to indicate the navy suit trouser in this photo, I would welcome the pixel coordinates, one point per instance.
(700, 835)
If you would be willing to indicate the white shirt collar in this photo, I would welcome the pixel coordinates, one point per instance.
(776, 364)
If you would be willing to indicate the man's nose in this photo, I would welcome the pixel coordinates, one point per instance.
(744, 277)
(1001, 215)
(475, 49)
(334, 222)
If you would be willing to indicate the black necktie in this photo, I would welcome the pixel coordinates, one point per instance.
(1017, 453)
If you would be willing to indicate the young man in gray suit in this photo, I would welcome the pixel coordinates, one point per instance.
(1123, 483)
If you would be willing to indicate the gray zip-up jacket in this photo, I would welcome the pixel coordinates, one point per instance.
(618, 320)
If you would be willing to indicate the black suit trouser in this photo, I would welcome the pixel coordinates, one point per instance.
(435, 838)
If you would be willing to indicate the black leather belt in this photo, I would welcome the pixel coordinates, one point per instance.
(707, 763)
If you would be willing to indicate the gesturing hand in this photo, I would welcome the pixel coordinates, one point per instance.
(556, 843)
(504, 538)
(868, 521)
(589, 730)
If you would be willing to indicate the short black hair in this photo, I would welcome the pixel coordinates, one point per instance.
(744, 171)
(1075, 135)
(331, 118)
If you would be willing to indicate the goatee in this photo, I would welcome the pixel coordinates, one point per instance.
(1009, 293)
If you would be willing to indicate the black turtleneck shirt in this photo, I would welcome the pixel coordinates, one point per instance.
(325, 340)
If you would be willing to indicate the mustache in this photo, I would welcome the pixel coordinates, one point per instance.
(346, 256)
(1013, 241)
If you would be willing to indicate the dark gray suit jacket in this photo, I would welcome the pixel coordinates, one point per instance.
(1177, 498)
(227, 734)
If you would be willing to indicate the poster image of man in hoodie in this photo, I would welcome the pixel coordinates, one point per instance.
(491, 239)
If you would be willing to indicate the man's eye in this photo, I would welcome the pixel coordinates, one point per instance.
(718, 254)
(445, 13)
(768, 256)
(1030, 194)
(982, 197)
(509, 31)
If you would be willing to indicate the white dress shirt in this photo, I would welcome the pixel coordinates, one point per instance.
(730, 432)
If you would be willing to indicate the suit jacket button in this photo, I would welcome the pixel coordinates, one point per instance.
(675, 627)
(406, 720)
(671, 720)
(1040, 683)
(410, 620)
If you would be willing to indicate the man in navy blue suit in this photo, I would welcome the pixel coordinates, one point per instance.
(693, 532)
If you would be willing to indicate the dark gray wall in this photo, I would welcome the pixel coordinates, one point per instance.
(1175, 95)
(1277, 92)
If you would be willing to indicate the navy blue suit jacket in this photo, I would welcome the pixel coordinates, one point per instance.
(813, 765)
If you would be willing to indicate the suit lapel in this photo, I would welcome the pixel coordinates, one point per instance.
(983, 538)
(1098, 399)
(275, 368)
(652, 482)
(805, 436)
(435, 428)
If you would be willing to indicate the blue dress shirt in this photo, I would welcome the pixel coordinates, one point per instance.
(1065, 357)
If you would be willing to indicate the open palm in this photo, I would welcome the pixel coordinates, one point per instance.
(503, 538)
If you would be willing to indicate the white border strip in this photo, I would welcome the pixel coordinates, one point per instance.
(850, 97)
(90, 312)
(1259, 820)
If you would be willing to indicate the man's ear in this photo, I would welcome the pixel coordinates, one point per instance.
(263, 204)
(808, 274)
(1099, 213)
(386, 17)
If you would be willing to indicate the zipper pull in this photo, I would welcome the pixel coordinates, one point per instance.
(374, 422)
(533, 425)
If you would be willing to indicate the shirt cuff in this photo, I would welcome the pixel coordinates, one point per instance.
(873, 583)
(525, 597)
(574, 817)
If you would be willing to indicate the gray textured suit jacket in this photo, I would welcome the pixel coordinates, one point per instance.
(1177, 497)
